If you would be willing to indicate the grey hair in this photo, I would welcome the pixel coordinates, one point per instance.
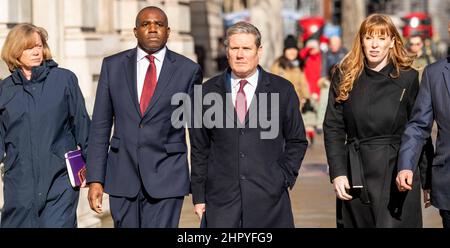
(243, 28)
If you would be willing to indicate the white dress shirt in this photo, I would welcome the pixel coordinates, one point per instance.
(142, 64)
(249, 88)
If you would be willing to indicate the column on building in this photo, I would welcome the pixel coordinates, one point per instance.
(271, 28)
(81, 52)
(48, 14)
(206, 28)
(11, 13)
(82, 44)
(440, 18)
(180, 40)
(125, 12)
(353, 13)
(234, 5)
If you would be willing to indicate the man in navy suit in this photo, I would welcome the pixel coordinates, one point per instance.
(432, 104)
(143, 166)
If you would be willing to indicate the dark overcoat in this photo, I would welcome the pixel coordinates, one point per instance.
(243, 178)
(40, 120)
(362, 140)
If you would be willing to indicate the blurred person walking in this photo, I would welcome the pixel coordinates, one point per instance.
(311, 57)
(336, 52)
(416, 46)
(288, 67)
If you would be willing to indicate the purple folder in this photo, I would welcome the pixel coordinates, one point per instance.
(76, 168)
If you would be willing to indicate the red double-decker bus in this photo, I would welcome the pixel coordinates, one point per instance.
(417, 23)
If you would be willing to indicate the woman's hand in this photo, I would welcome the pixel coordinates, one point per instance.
(341, 187)
(404, 180)
(199, 209)
(426, 198)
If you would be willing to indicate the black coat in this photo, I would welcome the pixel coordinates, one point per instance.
(40, 120)
(242, 178)
(368, 127)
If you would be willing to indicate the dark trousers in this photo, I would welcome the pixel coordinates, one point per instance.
(144, 211)
(445, 214)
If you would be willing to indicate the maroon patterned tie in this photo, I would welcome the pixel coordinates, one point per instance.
(241, 101)
(149, 84)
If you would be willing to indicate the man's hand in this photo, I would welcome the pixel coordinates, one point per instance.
(426, 198)
(95, 197)
(199, 209)
(341, 186)
(404, 180)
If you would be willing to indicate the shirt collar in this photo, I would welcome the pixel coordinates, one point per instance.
(159, 55)
(252, 80)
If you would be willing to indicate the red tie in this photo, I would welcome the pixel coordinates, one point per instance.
(241, 101)
(149, 84)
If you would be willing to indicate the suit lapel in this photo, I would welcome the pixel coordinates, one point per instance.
(223, 87)
(130, 73)
(167, 71)
(262, 87)
(446, 74)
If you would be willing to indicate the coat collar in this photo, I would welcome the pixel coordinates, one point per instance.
(129, 66)
(224, 83)
(168, 69)
(38, 73)
(386, 73)
(223, 86)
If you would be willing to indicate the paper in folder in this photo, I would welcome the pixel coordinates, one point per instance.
(76, 168)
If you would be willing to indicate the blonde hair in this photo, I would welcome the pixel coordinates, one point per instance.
(18, 40)
(352, 64)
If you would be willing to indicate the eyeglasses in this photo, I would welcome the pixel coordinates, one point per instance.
(415, 44)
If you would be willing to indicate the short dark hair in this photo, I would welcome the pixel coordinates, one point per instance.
(136, 22)
(243, 28)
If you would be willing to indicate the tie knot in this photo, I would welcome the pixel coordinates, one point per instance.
(242, 83)
(150, 58)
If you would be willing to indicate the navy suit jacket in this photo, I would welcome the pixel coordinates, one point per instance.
(143, 151)
(432, 104)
